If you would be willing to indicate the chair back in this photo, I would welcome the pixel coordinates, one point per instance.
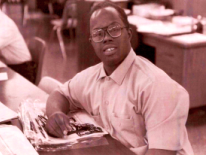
(70, 12)
(37, 48)
(68, 21)
(48, 84)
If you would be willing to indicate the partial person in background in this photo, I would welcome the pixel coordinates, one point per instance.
(13, 49)
(135, 101)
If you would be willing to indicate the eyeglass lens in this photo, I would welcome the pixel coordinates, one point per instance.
(114, 30)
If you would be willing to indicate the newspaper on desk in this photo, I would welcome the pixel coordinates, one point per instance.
(32, 117)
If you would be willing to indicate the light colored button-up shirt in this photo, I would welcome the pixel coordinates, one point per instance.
(138, 104)
(13, 49)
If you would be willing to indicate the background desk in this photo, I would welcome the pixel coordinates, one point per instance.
(182, 61)
(17, 88)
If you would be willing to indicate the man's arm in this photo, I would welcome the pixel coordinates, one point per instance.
(160, 152)
(56, 103)
(57, 107)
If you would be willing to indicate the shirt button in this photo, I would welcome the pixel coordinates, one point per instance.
(106, 102)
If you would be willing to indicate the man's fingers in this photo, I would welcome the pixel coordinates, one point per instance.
(54, 129)
(55, 125)
(68, 125)
(62, 125)
(59, 125)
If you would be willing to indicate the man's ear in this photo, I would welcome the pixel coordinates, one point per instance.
(129, 31)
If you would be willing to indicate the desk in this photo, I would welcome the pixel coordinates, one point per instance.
(182, 57)
(17, 88)
(184, 62)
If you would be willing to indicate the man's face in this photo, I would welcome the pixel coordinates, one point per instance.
(111, 51)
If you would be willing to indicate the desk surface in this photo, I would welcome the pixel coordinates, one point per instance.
(17, 88)
(185, 41)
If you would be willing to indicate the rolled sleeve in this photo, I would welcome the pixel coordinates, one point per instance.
(65, 90)
(165, 111)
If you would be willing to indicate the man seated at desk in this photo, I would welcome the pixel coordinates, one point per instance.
(136, 102)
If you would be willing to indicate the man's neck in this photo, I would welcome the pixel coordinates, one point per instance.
(109, 70)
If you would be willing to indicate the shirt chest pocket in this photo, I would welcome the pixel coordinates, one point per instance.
(121, 120)
(123, 128)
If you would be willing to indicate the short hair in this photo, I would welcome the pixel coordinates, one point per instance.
(105, 4)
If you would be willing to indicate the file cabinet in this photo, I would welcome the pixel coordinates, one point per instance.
(185, 62)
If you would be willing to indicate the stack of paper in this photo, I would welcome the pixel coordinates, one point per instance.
(6, 114)
(158, 27)
(13, 142)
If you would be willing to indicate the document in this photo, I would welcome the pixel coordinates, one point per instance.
(80, 117)
(158, 27)
(34, 120)
(6, 114)
(13, 142)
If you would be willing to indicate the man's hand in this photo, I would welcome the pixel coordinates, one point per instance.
(58, 124)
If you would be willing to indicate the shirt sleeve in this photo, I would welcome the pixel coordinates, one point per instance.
(66, 91)
(13, 48)
(165, 109)
(5, 34)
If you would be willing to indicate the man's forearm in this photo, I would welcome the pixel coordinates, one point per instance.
(56, 103)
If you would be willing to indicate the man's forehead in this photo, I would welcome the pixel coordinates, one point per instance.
(103, 11)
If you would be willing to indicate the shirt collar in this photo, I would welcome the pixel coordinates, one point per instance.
(120, 72)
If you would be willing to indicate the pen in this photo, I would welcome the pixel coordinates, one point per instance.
(40, 128)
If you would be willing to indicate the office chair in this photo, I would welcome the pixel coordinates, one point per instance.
(37, 48)
(5, 4)
(68, 21)
(32, 70)
(26, 14)
(48, 84)
(32, 11)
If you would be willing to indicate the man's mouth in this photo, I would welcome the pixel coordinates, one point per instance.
(109, 51)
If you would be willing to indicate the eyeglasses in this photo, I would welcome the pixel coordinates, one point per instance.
(114, 30)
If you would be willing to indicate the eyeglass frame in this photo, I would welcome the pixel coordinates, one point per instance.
(105, 30)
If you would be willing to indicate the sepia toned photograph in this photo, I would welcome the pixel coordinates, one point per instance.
(102, 77)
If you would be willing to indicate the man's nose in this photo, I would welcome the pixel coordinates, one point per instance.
(107, 37)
